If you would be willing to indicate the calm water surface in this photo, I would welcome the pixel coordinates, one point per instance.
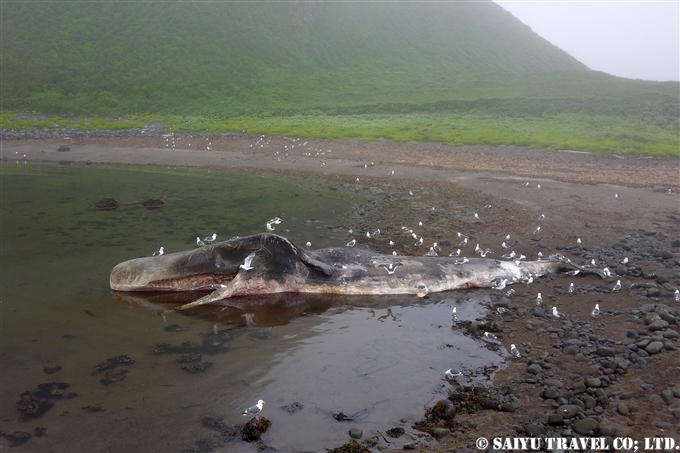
(377, 359)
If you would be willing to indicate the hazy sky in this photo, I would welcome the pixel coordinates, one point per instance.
(634, 39)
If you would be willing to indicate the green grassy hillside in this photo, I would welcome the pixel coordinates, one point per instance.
(216, 62)
(234, 58)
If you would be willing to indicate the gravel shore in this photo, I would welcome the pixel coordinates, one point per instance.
(610, 375)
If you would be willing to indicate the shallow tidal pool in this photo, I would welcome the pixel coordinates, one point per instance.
(114, 366)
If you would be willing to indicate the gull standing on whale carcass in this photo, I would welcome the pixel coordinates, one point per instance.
(199, 243)
(210, 239)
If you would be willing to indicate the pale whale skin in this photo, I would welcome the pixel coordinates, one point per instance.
(282, 266)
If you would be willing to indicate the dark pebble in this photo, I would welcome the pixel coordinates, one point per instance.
(667, 396)
(568, 410)
(555, 419)
(355, 433)
(586, 426)
(654, 347)
(604, 351)
(534, 430)
(550, 393)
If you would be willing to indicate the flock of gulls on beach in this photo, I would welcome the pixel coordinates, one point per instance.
(433, 250)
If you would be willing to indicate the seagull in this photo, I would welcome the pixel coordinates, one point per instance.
(431, 252)
(477, 249)
(461, 261)
(538, 186)
(507, 237)
(454, 315)
(555, 313)
(510, 293)
(578, 240)
(448, 374)
(676, 295)
(504, 245)
(617, 286)
(616, 195)
(246, 266)
(218, 286)
(308, 244)
(420, 242)
(392, 243)
(509, 256)
(596, 311)
(160, 252)
(476, 216)
(624, 260)
(514, 351)
(537, 230)
(199, 243)
(574, 272)
(571, 287)
(456, 253)
(391, 267)
(256, 409)
(539, 299)
(484, 252)
(351, 243)
(501, 285)
(541, 217)
(210, 238)
(270, 227)
(526, 184)
(501, 310)
(488, 336)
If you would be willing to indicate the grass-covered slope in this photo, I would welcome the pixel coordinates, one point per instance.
(231, 58)
(323, 68)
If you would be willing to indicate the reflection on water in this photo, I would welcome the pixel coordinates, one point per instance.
(378, 358)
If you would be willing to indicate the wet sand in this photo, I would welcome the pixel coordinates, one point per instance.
(450, 184)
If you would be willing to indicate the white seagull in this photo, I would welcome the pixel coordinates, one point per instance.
(351, 243)
(539, 299)
(454, 315)
(199, 243)
(555, 313)
(676, 295)
(210, 238)
(617, 286)
(596, 311)
(253, 410)
(246, 266)
(514, 351)
(571, 287)
(160, 252)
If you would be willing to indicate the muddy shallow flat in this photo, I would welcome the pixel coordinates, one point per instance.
(577, 195)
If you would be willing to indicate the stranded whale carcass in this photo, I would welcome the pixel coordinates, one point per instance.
(267, 263)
